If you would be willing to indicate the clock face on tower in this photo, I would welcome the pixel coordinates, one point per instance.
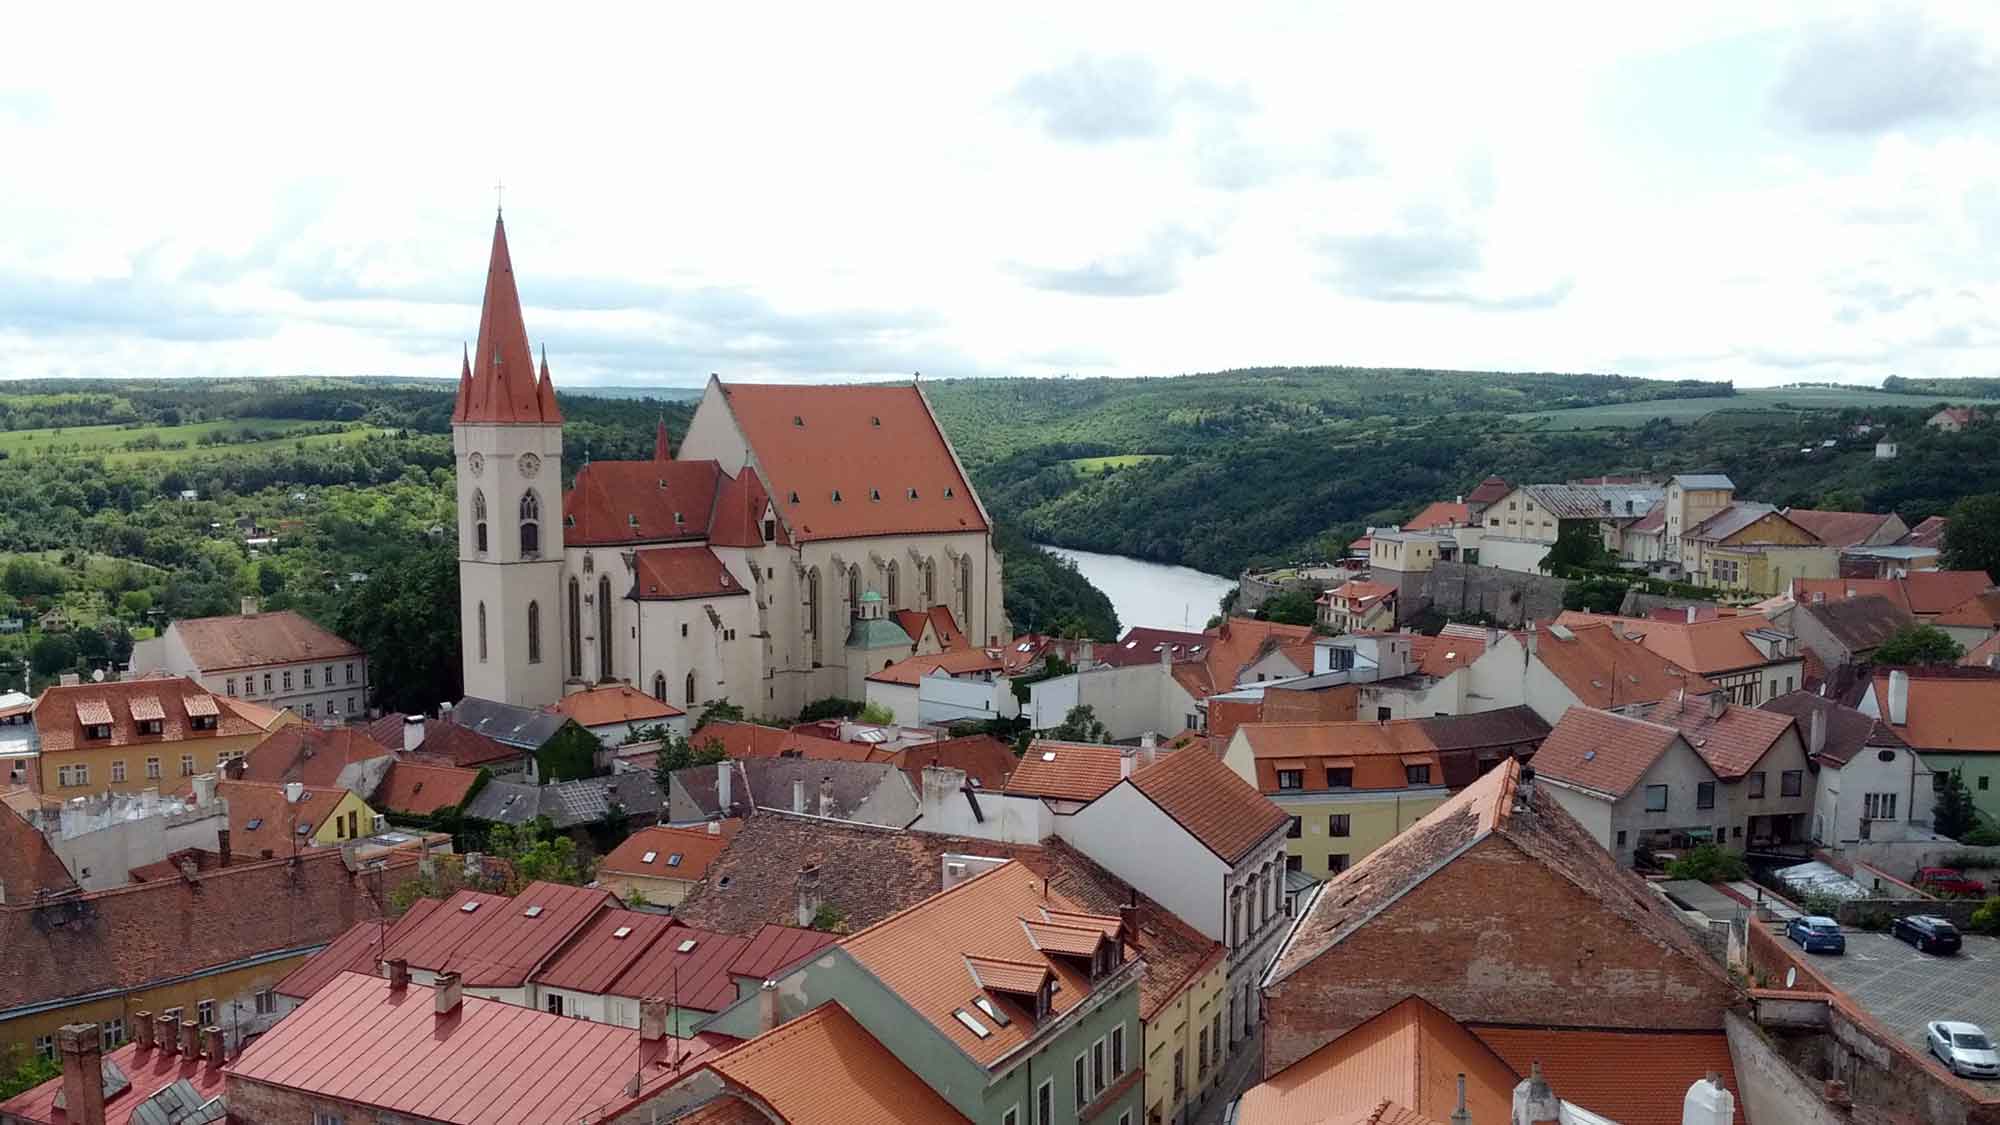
(477, 463)
(530, 464)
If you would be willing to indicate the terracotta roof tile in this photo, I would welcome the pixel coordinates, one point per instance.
(1603, 669)
(740, 509)
(1439, 513)
(751, 740)
(1445, 655)
(1487, 491)
(952, 662)
(774, 947)
(149, 1071)
(1221, 810)
(1859, 623)
(1847, 730)
(1602, 751)
(614, 703)
(860, 442)
(1982, 654)
(59, 713)
(678, 853)
(217, 644)
(226, 915)
(1838, 529)
(1375, 751)
(1631, 1077)
(355, 951)
(500, 941)
(987, 761)
(1731, 742)
(308, 754)
(674, 573)
(826, 1068)
(492, 1063)
(447, 743)
(1929, 532)
(1409, 1056)
(1958, 712)
(420, 789)
(618, 503)
(1981, 611)
(28, 865)
(1069, 771)
(1142, 645)
(261, 820)
(1923, 592)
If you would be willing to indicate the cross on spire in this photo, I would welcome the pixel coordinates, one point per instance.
(499, 187)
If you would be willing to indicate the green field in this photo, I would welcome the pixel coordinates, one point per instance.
(1764, 400)
(1099, 464)
(118, 444)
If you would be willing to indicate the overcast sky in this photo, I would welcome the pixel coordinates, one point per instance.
(1735, 191)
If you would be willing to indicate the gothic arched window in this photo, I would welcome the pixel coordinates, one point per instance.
(479, 520)
(895, 587)
(531, 525)
(690, 689)
(854, 588)
(929, 579)
(965, 592)
(604, 627)
(482, 632)
(534, 633)
(812, 611)
(660, 686)
(575, 630)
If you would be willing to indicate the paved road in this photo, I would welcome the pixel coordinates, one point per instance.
(1241, 1074)
(1906, 989)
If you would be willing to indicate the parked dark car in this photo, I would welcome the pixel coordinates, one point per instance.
(1929, 933)
(1817, 935)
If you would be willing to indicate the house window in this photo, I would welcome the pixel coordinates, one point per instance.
(1791, 783)
(309, 710)
(288, 679)
(45, 1046)
(534, 633)
(152, 769)
(113, 1031)
(1118, 1051)
(1340, 778)
(1097, 1068)
(187, 765)
(1180, 1073)
(229, 686)
(307, 673)
(1012, 1116)
(482, 632)
(1291, 779)
(72, 775)
(1704, 795)
(1417, 775)
(327, 1117)
(266, 1002)
(1294, 863)
(1193, 721)
(690, 689)
(1292, 830)
(479, 521)
(893, 586)
(118, 771)
(1337, 824)
(555, 1003)
(660, 686)
(1756, 785)
(603, 627)
(531, 525)
(1621, 839)
(1082, 1076)
(1878, 806)
(1338, 862)
(1201, 1056)
(267, 683)
(1045, 1103)
(1982, 782)
(1656, 798)
(150, 726)
(204, 1013)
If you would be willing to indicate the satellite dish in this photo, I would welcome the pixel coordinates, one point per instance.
(1791, 976)
(97, 677)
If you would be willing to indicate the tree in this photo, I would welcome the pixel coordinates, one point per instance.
(54, 652)
(1919, 644)
(1972, 538)
(722, 711)
(1081, 725)
(22, 1070)
(1952, 812)
(832, 707)
(1708, 863)
(877, 714)
(569, 755)
(406, 618)
(1842, 500)
(1578, 545)
(1290, 607)
(677, 753)
(538, 853)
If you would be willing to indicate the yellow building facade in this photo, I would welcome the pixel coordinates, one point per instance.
(1184, 1027)
(155, 732)
(1333, 831)
(239, 999)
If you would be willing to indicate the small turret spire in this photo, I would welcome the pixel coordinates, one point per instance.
(545, 392)
(464, 385)
(661, 452)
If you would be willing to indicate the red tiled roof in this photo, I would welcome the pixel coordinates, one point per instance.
(688, 966)
(1069, 771)
(740, 509)
(217, 644)
(61, 710)
(1603, 669)
(1359, 592)
(861, 442)
(261, 820)
(1440, 513)
(613, 503)
(498, 943)
(678, 853)
(1409, 1056)
(1445, 655)
(1958, 712)
(751, 740)
(309, 754)
(1838, 529)
(499, 384)
(672, 573)
(1602, 751)
(1141, 645)
(1219, 809)
(1982, 654)
(28, 865)
(1981, 611)
(492, 1063)
(987, 761)
(355, 951)
(614, 703)
(1708, 645)
(825, 1068)
(1487, 491)
(592, 960)
(418, 789)
(1631, 1077)
(1923, 592)
(445, 743)
(148, 1069)
(1733, 742)
(773, 947)
(1928, 533)
(1377, 752)
(952, 662)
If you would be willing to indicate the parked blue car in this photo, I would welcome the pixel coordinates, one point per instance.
(1817, 935)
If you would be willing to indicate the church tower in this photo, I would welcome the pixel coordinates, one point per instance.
(506, 435)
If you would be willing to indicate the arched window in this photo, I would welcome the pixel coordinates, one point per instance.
(479, 520)
(531, 525)
(965, 592)
(690, 689)
(534, 633)
(854, 588)
(895, 587)
(575, 630)
(482, 632)
(660, 686)
(930, 583)
(812, 611)
(604, 627)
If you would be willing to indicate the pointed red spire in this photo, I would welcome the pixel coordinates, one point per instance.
(503, 375)
(545, 392)
(464, 388)
(661, 452)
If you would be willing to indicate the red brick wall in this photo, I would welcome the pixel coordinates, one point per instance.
(1332, 705)
(1493, 937)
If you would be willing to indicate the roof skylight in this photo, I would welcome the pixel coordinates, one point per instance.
(971, 1023)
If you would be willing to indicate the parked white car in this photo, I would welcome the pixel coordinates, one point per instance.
(1963, 1048)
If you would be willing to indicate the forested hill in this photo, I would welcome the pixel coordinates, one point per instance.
(1271, 465)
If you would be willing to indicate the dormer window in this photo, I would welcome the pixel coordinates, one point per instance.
(199, 722)
(632, 519)
(770, 530)
(149, 726)
(679, 520)
(875, 422)
(97, 730)
(875, 494)
(795, 497)
(947, 492)
(913, 494)
(836, 496)
(798, 421)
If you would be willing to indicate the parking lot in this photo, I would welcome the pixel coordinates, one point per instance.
(1905, 989)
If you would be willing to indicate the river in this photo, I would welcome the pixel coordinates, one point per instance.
(1150, 594)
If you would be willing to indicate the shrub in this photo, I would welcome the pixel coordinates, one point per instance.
(1984, 836)
(1820, 903)
(1709, 863)
(1986, 917)
(1877, 921)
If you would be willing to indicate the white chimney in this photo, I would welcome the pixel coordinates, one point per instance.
(1899, 698)
(413, 731)
(249, 607)
(293, 791)
(204, 789)
(1534, 1102)
(715, 826)
(798, 794)
(826, 796)
(1816, 732)
(722, 786)
(1708, 1103)
(1125, 757)
(1690, 615)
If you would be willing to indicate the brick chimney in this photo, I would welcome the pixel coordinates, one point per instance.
(1718, 702)
(808, 888)
(167, 1033)
(214, 1045)
(83, 1074)
(449, 993)
(1534, 1102)
(142, 1029)
(399, 974)
(653, 1012)
(191, 1039)
(826, 796)
(222, 845)
(767, 1005)
(1899, 698)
